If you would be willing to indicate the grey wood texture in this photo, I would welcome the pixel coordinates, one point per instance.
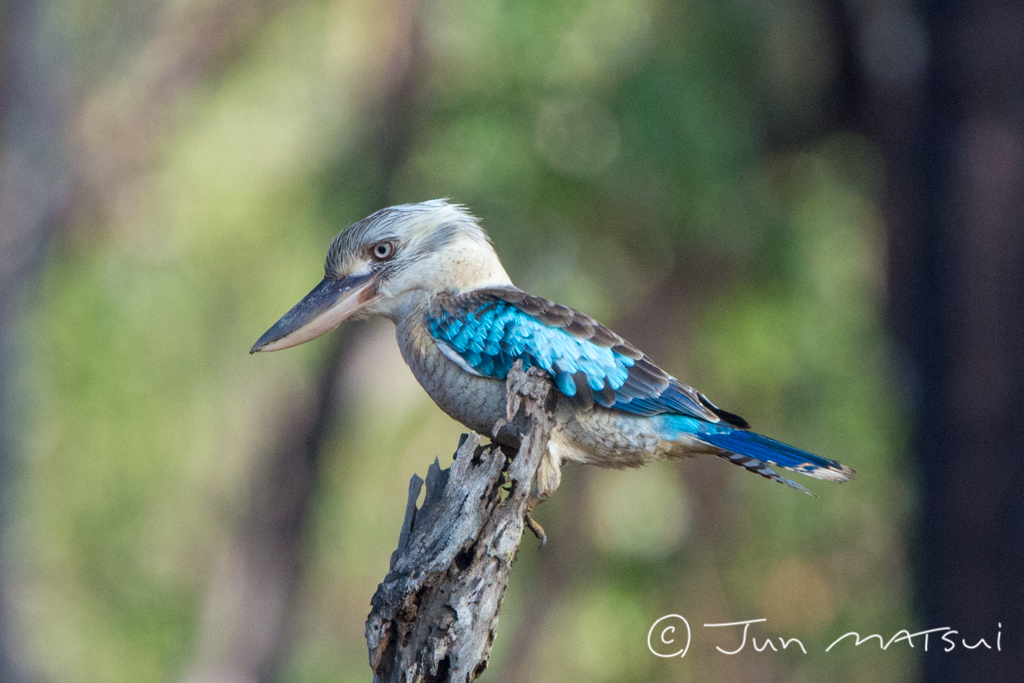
(435, 615)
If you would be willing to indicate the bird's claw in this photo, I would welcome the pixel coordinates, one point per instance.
(537, 529)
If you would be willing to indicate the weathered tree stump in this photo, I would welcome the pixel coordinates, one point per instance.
(434, 617)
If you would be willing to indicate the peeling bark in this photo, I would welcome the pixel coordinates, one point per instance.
(435, 616)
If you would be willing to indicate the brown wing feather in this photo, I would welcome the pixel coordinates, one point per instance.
(645, 380)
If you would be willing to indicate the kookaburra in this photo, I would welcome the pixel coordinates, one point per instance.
(461, 324)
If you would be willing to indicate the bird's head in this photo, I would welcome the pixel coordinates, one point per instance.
(388, 264)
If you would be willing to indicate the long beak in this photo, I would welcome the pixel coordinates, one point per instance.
(323, 309)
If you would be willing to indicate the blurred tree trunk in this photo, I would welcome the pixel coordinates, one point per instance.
(251, 603)
(955, 177)
(124, 121)
(43, 191)
(33, 189)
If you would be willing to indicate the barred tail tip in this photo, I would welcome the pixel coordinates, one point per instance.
(836, 472)
(769, 451)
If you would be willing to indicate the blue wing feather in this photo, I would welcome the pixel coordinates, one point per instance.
(494, 334)
(491, 329)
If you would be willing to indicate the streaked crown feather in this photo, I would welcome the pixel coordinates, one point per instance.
(425, 227)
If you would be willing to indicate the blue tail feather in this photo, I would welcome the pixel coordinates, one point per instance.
(756, 452)
(754, 445)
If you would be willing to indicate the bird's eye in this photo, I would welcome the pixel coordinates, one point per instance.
(382, 251)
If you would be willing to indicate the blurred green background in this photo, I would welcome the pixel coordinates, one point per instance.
(686, 172)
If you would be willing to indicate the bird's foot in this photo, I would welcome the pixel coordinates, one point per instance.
(537, 529)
